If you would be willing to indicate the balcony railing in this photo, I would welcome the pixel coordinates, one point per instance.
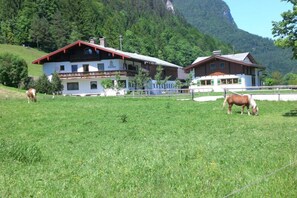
(96, 74)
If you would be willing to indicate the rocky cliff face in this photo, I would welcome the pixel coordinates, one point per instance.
(213, 17)
(169, 5)
(227, 15)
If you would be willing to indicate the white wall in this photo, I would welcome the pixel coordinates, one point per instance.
(246, 81)
(85, 87)
(109, 65)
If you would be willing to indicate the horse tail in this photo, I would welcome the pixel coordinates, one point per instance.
(225, 101)
(34, 95)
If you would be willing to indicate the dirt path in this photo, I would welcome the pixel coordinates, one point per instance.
(8, 94)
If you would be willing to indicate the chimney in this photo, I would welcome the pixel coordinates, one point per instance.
(102, 42)
(217, 53)
(92, 41)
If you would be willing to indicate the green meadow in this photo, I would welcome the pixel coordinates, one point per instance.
(145, 147)
(28, 54)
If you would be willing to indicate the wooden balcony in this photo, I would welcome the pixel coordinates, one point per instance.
(97, 74)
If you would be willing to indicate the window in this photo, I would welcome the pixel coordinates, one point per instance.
(132, 67)
(100, 66)
(74, 68)
(72, 86)
(88, 51)
(212, 66)
(62, 68)
(229, 81)
(86, 68)
(93, 84)
(205, 82)
(222, 65)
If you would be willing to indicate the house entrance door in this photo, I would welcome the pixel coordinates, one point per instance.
(253, 81)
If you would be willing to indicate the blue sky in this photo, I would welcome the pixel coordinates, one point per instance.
(256, 16)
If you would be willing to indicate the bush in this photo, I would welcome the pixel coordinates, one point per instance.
(13, 70)
(57, 86)
(43, 85)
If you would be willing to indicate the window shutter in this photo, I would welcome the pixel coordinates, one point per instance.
(219, 81)
(212, 82)
(198, 83)
(239, 80)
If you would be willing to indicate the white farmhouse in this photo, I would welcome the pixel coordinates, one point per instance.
(83, 65)
(219, 72)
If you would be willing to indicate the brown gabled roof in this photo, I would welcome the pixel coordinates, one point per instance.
(227, 58)
(77, 43)
(124, 55)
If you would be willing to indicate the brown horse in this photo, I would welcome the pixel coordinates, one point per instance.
(243, 101)
(31, 95)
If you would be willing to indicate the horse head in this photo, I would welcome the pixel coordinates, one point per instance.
(255, 110)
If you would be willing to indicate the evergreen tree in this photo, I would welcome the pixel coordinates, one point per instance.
(106, 84)
(57, 86)
(141, 79)
(40, 33)
(43, 85)
(160, 78)
(59, 30)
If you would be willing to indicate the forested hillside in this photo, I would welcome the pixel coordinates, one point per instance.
(146, 26)
(213, 17)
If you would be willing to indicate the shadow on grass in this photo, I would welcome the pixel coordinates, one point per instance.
(292, 113)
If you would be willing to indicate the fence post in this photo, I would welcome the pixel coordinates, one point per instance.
(192, 91)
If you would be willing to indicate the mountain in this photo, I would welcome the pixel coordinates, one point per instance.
(213, 17)
(147, 27)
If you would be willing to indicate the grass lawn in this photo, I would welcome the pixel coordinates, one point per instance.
(145, 147)
(28, 54)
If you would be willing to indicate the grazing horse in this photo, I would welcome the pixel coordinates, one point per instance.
(243, 101)
(31, 95)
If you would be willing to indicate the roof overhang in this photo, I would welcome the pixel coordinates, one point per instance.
(79, 43)
(213, 58)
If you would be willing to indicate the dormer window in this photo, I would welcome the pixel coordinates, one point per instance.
(212, 66)
(88, 51)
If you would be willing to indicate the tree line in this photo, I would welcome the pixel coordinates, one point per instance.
(146, 27)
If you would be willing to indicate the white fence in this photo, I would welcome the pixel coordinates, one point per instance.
(258, 92)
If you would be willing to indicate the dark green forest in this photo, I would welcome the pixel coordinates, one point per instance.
(146, 27)
(213, 17)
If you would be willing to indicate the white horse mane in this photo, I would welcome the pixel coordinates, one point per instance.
(252, 101)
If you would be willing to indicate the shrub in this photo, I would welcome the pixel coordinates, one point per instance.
(43, 85)
(13, 70)
(57, 86)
